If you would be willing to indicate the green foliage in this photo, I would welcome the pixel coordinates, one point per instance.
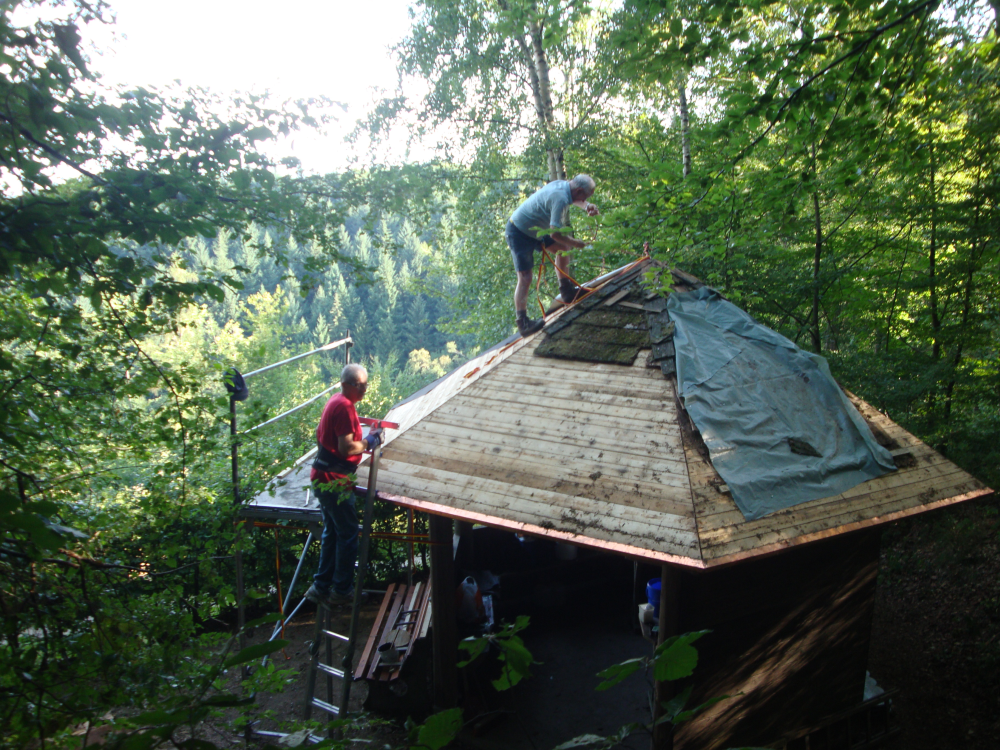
(438, 731)
(674, 659)
(515, 660)
(177, 250)
(843, 189)
(515, 664)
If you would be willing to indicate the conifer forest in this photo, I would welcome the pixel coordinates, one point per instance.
(831, 167)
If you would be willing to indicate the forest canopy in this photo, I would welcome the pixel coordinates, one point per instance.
(831, 167)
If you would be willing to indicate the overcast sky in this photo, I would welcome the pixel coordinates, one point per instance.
(294, 48)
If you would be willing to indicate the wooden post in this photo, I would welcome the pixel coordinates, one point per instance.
(663, 735)
(237, 500)
(466, 550)
(443, 614)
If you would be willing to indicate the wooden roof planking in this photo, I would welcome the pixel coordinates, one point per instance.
(603, 455)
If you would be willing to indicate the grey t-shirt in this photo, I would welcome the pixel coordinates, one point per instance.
(547, 207)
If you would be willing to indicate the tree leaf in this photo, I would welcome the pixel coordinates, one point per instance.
(256, 651)
(440, 729)
(618, 672)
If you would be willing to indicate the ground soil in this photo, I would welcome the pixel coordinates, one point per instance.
(283, 711)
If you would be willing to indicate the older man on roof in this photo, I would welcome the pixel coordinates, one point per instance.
(340, 447)
(545, 212)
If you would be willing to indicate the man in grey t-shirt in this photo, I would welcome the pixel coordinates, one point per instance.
(545, 212)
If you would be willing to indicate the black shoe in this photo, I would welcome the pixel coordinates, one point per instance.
(569, 292)
(332, 598)
(526, 326)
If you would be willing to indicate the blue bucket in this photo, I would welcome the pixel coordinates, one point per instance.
(653, 595)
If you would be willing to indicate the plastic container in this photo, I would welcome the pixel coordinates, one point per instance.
(653, 595)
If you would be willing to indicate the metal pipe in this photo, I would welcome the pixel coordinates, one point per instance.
(291, 587)
(294, 409)
(324, 348)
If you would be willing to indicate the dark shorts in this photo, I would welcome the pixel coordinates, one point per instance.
(522, 247)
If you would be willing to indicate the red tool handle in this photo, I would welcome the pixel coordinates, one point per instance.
(378, 423)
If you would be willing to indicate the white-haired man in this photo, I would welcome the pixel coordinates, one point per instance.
(340, 449)
(545, 212)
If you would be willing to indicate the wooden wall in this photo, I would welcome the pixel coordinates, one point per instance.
(790, 633)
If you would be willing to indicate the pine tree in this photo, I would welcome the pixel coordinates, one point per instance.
(292, 301)
(315, 304)
(403, 276)
(388, 289)
(343, 240)
(321, 331)
(385, 236)
(223, 265)
(415, 329)
(350, 305)
(247, 255)
(362, 333)
(334, 315)
(386, 337)
(362, 245)
(412, 250)
(222, 261)
(269, 272)
(200, 253)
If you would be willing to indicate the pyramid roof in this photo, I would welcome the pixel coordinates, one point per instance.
(577, 433)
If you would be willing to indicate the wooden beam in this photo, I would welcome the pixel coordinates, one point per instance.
(466, 548)
(663, 735)
(443, 614)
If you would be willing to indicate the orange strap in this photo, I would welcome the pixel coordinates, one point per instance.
(588, 291)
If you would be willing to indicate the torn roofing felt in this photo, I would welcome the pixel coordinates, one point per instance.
(593, 331)
(778, 428)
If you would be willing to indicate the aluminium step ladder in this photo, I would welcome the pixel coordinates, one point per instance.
(324, 618)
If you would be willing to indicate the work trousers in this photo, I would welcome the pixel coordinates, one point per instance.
(339, 546)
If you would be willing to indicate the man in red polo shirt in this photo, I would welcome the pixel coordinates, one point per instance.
(340, 449)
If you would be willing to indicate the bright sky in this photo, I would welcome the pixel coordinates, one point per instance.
(293, 48)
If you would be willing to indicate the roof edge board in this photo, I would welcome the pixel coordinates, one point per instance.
(472, 516)
(665, 557)
(775, 547)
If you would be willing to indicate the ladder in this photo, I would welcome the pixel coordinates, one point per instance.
(324, 634)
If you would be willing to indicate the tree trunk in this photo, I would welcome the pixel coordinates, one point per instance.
(932, 266)
(957, 357)
(538, 77)
(814, 333)
(685, 130)
(892, 304)
(974, 258)
(932, 284)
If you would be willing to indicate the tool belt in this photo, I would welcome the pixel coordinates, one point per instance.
(330, 462)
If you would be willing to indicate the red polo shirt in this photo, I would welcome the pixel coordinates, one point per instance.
(339, 418)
